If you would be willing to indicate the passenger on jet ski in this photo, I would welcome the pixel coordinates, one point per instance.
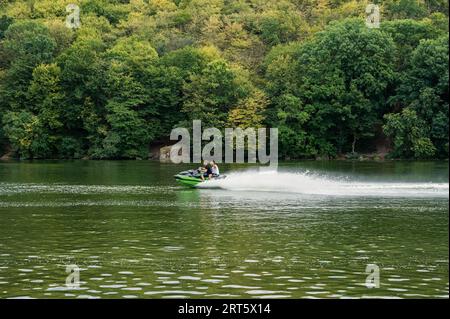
(210, 170)
(206, 170)
(214, 169)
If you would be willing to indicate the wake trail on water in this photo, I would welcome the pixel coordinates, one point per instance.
(315, 184)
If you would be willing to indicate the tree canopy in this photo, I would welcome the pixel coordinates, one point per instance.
(135, 69)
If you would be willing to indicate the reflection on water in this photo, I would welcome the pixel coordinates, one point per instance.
(135, 234)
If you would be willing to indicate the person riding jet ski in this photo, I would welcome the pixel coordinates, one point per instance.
(215, 169)
(209, 170)
(206, 170)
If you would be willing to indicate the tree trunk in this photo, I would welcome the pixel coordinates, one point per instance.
(354, 144)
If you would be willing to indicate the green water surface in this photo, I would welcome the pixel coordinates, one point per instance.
(308, 232)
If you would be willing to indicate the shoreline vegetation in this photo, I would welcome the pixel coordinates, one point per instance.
(156, 157)
(115, 87)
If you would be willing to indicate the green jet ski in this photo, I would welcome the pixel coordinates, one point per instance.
(192, 178)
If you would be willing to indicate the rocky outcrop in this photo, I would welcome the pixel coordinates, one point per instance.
(164, 154)
(8, 155)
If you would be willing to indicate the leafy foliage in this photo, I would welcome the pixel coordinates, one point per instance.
(138, 68)
(410, 135)
(335, 90)
(424, 90)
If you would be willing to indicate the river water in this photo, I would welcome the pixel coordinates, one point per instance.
(311, 230)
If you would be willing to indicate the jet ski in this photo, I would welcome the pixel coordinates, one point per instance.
(193, 177)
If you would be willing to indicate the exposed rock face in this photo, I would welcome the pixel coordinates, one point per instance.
(322, 158)
(153, 153)
(7, 156)
(164, 154)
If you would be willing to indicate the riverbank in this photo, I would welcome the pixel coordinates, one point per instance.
(350, 158)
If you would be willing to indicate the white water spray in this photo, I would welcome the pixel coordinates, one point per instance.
(314, 184)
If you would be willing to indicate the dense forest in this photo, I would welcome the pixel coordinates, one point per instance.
(135, 69)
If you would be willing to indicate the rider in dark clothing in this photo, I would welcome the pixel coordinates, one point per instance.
(208, 170)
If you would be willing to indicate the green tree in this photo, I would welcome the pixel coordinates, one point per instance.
(26, 45)
(5, 22)
(47, 102)
(129, 134)
(332, 90)
(131, 119)
(405, 9)
(114, 10)
(82, 77)
(409, 134)
(424, 89)
(210, 94)
(249, 112)
(26, 135)
(407, 35)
